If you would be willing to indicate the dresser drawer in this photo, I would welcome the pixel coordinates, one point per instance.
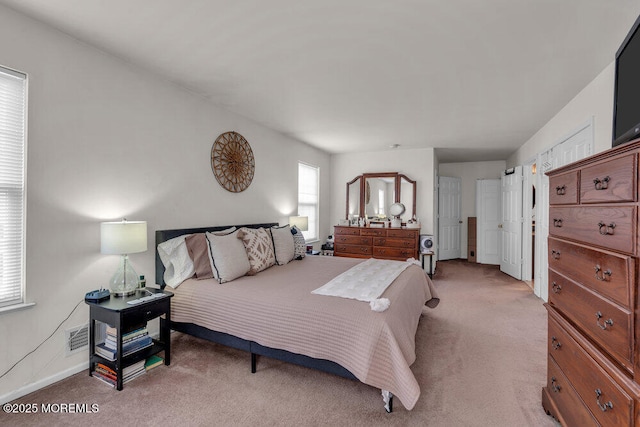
(352, 240)
(375, 232)
(353, 249)
(574, 412)
(606, 400)
(351, 231)
(607, 227)
(395, 242)
(612, 180)
(606, 323)
(404, 233)
(394, 253)
(607, 273)
(563, 189)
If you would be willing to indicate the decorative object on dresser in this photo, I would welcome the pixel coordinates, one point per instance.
(594, 331)
(232, 162)
(365, 242)
(123, 238)
(371, 195)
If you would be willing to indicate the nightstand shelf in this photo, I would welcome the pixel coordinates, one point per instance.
(125, 318)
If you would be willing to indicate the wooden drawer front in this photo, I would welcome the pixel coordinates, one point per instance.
(395, 242)
(406, 234)
(612, 329)
(352, 240)
(353, 249)
(563, 189)
(375, 232)
(607, 273)
(398, 253)
(610, 227)
(566, 398)
(146, 313)
(587, 376)
(352, 231)
(610, 181)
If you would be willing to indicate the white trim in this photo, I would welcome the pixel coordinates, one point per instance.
(30, 388)
(16, 307)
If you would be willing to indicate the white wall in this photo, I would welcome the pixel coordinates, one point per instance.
(468, 173)
(595, 100)
(107, 140)
(417, 164)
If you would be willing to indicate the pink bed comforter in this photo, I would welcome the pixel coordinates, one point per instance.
(275, 308)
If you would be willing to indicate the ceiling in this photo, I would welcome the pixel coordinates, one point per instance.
(473, 79)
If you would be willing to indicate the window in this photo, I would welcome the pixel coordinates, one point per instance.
(308, 198)
(13, 112)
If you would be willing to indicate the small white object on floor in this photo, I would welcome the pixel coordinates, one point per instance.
(386, 397)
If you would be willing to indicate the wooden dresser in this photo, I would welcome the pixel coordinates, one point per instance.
(386, 243)
(594, 334)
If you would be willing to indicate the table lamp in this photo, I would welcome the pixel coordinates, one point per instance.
(123, 238)
(302, 222)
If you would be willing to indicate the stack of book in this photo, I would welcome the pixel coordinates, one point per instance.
(109, 376)
(131, 342)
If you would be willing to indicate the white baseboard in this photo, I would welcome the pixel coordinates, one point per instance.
(30, 388)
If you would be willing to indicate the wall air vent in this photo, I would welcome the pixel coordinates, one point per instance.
(76, 339)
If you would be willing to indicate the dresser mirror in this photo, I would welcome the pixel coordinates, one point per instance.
(371, 195)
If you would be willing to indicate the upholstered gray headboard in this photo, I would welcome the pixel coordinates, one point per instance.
(164, 235)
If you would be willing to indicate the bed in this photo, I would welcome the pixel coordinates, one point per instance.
(273, 313)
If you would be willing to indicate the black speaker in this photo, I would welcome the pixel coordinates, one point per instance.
(426, 242)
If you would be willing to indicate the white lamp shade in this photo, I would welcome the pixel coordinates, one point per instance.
(123, 237)
(302, 222)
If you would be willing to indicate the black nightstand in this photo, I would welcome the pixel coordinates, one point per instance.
(125, 318)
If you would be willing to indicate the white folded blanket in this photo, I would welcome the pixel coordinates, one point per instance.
(365, 282)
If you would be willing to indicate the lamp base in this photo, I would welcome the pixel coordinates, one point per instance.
(125, 280)
(123, 293)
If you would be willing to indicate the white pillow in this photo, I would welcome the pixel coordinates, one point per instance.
(178, 265)
(283, 244)
(228, 256)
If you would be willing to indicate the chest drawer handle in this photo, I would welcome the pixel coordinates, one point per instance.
(557, 222)
(556, 288)
(605, 274)
(606, 323)
(602, 184)
(603, 406)
(555, 254)
(561, 190)
(555, 343)
(606, 229)
(554, 385)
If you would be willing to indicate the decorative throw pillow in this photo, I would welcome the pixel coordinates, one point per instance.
(199, 252)
(178, 265)
(299, 244)
(259, 247)
(282, 244)
(228, 256)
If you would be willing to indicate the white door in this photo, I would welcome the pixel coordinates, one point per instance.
(488, 218)
(510, 228)
(576, 146)
(449, 217)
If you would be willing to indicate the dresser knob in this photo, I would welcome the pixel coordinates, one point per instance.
(603, 406)
(555, 254)
(555, 343)
(606, 323)
(605, 274)
(602, 184)
(561, 190)
(557, 222)
(556, 388)
(556, 288)
(605, 229)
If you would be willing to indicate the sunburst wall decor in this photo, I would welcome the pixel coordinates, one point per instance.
(232, 162)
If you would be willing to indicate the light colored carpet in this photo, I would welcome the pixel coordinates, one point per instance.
(481, 361)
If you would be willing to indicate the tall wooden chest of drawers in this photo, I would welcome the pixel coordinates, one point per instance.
(386, 243)
(594, 334)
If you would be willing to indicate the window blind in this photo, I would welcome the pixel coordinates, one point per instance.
(13, 91)
(308, 197)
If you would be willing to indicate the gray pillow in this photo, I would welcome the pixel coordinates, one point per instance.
(228, 256)
(282, 244)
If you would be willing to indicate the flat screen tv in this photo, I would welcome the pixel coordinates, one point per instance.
(626, 101)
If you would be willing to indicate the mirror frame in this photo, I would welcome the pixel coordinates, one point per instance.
(398, 177)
